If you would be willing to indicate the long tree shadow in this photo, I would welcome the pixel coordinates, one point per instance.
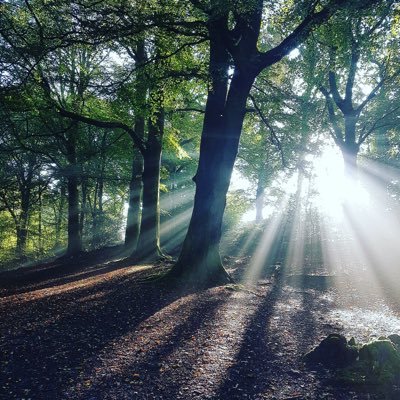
(249, 374)
(46, 342)
(284, 325)
(154, 363)
(61, 271)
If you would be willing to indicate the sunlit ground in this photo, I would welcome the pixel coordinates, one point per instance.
(342, 229)
(331, 251)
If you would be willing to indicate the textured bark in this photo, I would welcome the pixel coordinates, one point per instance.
(22, 228)
(134, 216)
(134, 202)
(149, 238)
(200, 258)
(59, 216)
(74, 245)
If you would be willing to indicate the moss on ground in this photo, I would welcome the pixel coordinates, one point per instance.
(374, 363)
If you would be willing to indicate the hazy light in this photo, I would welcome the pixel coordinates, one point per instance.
(334, 189)
(294, 54)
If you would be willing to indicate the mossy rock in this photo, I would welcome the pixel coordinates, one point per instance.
(395, 339)
(381, 354)
(333, 352)
(378, 364)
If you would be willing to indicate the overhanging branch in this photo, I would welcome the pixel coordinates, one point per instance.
(105, 124)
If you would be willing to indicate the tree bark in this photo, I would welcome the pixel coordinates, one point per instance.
(59, 216)
(200, 259)
(134, 217)
(22, 229)
(260, 195)
(74, 246)
(134, 202)
(25, 188)
(149, 238)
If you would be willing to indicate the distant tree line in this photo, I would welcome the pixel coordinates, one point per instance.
(110, 108)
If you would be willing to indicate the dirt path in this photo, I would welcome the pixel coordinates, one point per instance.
(102, 333)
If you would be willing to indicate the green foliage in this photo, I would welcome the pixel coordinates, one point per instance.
(236, 205)
(57, 54)
(374, 363)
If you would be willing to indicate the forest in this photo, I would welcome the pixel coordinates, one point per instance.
(199, 199)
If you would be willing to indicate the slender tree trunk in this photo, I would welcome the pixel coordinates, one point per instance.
(74, 227)
(40, 223)
(149, 238)
(74, 246)
(134, 202)
(136, 183)
(22, 229)
(83, 208)
(59, 216)
(260, 195)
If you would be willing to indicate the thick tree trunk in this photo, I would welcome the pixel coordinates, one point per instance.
(350, 148)
(200, 258)
(149, 238)
(349, 154)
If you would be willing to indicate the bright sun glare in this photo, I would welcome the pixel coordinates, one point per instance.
(334, 190)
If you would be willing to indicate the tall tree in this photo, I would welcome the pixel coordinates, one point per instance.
(234, 31)
(362, 65)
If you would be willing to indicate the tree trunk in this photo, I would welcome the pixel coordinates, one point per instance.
(22, 229)
(74, 246)
(133, 221)
(350, 148)
(83, 208)
(260, 195)
(136, 186)
(149, 238)
(349, 153)
(59, 216)
(134, 202)
(200, 259)
(40, 222)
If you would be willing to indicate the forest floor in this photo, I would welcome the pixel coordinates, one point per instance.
(99, 329)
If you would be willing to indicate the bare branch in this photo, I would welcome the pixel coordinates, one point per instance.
(274, 137)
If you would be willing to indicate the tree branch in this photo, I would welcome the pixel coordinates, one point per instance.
(274, 137)
(338, 136)
(105, 124)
